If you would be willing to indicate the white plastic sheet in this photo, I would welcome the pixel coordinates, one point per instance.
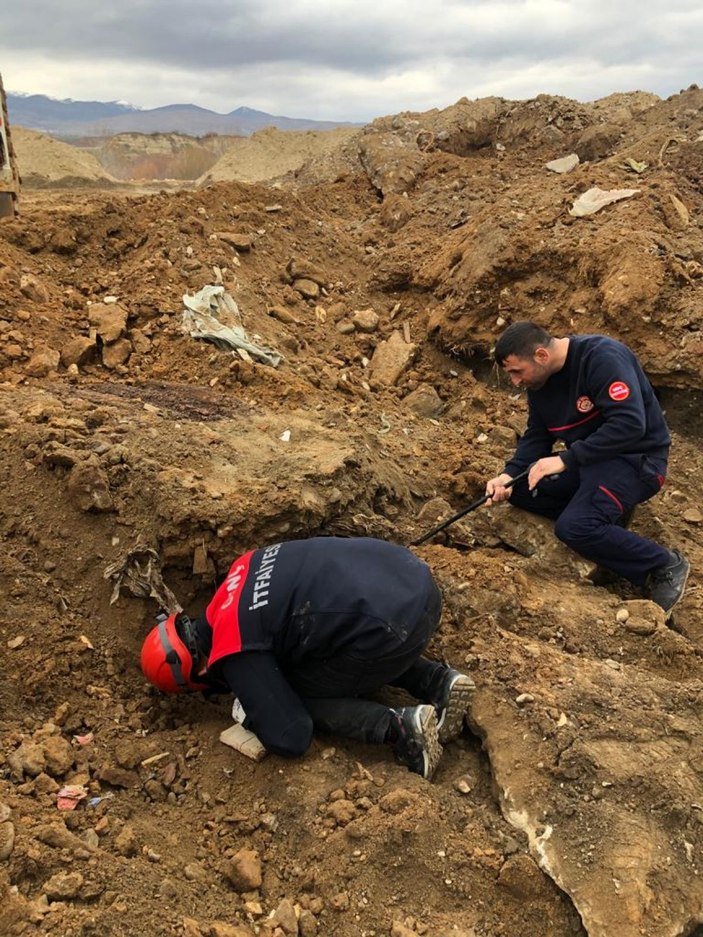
(212, 314)
(588, 203)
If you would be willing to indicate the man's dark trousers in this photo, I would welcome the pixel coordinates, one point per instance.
(330, 689)
(588, 503)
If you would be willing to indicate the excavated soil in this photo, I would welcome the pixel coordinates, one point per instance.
(381, 272)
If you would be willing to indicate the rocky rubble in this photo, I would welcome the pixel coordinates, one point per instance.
(571, 804)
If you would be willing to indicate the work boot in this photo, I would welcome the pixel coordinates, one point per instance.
(417, 742)
(666, 585)
(453, 703)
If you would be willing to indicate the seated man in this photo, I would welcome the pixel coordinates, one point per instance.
(590, 393)
(299, 631)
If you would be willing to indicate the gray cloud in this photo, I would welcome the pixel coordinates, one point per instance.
(346, 59)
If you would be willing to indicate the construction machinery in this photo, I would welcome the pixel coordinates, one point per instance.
(9, 176)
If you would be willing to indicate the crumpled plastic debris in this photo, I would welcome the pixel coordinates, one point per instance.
(94, 801)
(634, 165)
(138, 570)
(70, 796)
(238, 712)
(594, 199)
(213, 315)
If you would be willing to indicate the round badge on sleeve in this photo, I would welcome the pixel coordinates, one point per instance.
(584, 404)
(619, 390)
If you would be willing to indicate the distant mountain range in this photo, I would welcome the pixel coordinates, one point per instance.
(69, 119)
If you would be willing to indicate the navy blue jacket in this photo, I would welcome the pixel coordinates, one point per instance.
(600, 404)
(317, 598)
(306, 600)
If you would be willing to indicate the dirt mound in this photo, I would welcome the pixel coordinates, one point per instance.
(44, 161)
(269, 154)
(138, 156)
(572, 803)
(266, 156)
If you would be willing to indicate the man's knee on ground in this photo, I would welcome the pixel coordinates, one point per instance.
(293, 739)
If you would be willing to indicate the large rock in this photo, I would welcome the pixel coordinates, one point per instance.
(58, 837)
(109, 321)
(63, 885)
(126, 842)
(34, 289)
(7, 840)
(118, 777)
(365, 320)
(78, 351)
(391, 358)
(223, 929)
(601, 771)
(307, 288)
(675, 212)
(58, 754)
(117, 354)
(236, 239)
(89, 487)
(596, 142)
(244, 871)
(396, 211)
(391, 161)
(27, 760)
(424, 401)
(300, 269)
(286, 918)
(43, 362)
(522, 877)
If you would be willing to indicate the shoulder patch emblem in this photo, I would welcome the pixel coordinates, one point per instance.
(619, 390)
(584, 404)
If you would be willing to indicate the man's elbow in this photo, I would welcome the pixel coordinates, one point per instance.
(292, 741)
(629, 431)
(636, 426)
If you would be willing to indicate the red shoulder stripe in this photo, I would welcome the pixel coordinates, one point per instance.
(223, 611)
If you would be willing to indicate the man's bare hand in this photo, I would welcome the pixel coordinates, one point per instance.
(496, 490)
(551, 465)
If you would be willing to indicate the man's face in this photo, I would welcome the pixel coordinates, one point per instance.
(531, 373)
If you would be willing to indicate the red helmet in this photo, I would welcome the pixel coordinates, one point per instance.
(167, 661)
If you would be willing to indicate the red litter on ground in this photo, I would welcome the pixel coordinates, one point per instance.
(70, 796)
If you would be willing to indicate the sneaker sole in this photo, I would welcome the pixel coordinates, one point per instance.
(668, 611)
(457, 706)
(427, 717)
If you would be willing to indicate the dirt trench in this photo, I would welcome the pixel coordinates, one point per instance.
(572, 802)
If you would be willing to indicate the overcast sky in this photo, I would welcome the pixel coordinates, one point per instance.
(344, 60)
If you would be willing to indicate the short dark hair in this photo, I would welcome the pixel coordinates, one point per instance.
(521, 339)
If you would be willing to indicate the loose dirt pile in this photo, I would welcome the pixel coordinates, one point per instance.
(144, 157)
(573, 803)
(43, 161)
(266, 156)
(269, 154)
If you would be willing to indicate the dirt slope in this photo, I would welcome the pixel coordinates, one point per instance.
(271, 153)
(572, 803)
(44, 161)
(139, 156)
